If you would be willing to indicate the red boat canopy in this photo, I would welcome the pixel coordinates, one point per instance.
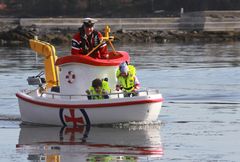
(114, 59)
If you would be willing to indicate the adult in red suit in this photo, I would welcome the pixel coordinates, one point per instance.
(87, 39)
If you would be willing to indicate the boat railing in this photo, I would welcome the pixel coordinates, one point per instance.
(53, 95)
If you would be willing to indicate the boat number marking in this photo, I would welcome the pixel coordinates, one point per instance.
(70, 77)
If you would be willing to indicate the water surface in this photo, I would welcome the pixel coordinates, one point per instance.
(200, 119)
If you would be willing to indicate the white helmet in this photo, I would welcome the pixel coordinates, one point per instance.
(123, 67)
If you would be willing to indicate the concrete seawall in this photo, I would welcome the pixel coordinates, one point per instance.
(219, 24)
(206, 21)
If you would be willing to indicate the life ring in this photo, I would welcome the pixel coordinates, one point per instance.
(70, 77)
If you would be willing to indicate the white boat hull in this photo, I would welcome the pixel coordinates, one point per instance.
(74, 112)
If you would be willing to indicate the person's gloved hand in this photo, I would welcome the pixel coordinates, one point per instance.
(136, 87)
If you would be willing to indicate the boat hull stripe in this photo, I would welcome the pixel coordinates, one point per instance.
(103, 105)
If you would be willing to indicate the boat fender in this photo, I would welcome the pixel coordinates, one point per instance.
(70, 77)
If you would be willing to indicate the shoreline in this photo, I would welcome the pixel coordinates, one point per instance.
(207, 26)
(21, 36)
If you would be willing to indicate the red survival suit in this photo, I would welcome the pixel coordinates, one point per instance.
(82, 44)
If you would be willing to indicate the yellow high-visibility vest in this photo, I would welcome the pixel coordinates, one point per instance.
(128, 82)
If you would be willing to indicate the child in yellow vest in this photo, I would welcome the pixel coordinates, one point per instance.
(99, 90)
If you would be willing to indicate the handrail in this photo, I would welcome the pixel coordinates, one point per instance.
(118, 94)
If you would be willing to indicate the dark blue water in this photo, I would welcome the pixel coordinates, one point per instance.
(200, 119)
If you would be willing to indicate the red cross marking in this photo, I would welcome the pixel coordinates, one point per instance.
(73, 119)
(73, 131)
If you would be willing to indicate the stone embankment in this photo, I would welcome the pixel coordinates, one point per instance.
(195, 26)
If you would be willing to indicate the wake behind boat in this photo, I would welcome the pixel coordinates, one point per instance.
(62, 100)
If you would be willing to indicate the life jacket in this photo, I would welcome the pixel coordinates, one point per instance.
(87, 44)
(82, 44)
(105, 86)
(99, 96)
(127, 83)
(95, 95)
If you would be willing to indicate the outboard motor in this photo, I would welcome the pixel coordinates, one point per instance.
(36, 80)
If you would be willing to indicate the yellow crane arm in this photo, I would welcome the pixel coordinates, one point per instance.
(48, 51)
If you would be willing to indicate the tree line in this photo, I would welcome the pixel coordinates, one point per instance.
(109, 8)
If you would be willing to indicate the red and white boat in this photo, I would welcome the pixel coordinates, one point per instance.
(70, 106)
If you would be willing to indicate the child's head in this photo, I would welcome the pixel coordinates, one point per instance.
(123, 69)
(97, 84)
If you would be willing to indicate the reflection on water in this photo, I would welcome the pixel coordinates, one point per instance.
(89, 143)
